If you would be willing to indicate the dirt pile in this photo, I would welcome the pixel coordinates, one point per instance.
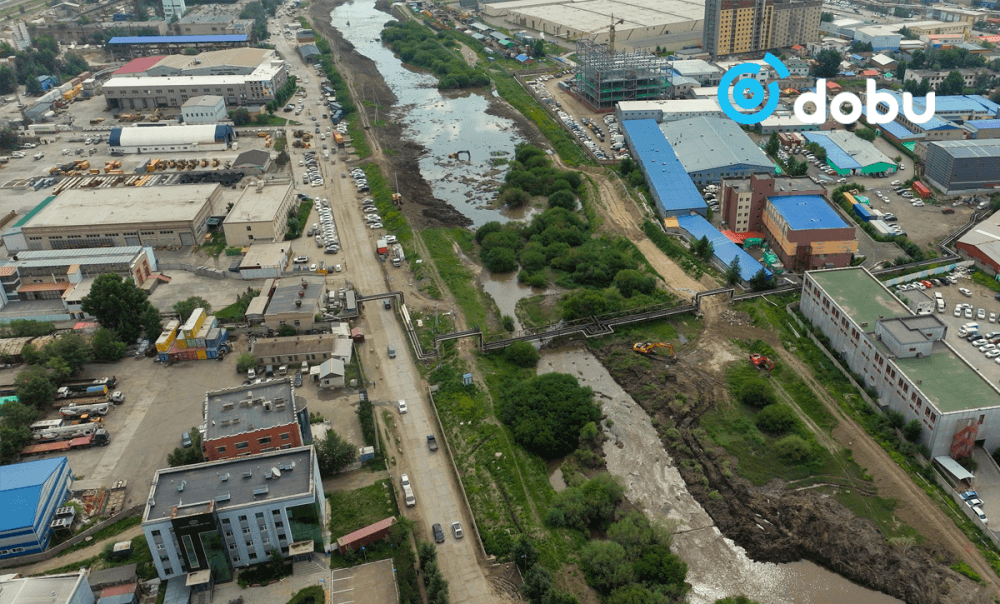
(787, 527)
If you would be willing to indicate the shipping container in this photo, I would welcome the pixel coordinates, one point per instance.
(921, 189)
(881, 228)
(863, 212)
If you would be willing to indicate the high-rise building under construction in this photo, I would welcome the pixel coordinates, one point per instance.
(735, 27)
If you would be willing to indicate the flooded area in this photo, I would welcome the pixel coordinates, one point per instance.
(445, 123)
(716, 566)
(506, 291)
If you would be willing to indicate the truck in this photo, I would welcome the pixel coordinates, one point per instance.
(89, 392)
(99, 438)
(397, 254)
(381, 246)
(76, 411)
(110, 382)
(65, 433)
(432, 443)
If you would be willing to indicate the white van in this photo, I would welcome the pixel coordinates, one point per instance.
(978, 511)
(408, 497)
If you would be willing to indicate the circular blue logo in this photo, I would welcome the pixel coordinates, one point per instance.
(748, 93)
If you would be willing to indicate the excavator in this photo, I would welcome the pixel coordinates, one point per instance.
(762, 362)
(458, 155)
(648, 347)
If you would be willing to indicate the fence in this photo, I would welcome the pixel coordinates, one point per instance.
(927, 273)
(203, 271)
(52, 552)
(950, 489)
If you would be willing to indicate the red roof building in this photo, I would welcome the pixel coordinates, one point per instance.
(136, 66)
(364, 536)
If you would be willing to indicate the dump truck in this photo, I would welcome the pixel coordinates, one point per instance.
(99, 438)
(74, 411)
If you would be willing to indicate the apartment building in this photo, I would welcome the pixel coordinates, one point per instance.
(743, 26)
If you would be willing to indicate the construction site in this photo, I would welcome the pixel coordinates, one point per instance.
(606, 77)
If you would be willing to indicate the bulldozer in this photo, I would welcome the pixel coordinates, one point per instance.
(762, 362)
(647, 348)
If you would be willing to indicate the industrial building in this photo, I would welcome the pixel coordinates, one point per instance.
(981, 244)
(934, 77)
(220, 515)
(296, 302)
(260, 214)
(171, 139)
(242, 76)
(252, 419)
(198, 339)
(886, 36)
(669, 183)
(329, 374)
(205, 109)
(131, 47)
(742, 200)
(733, 28)
(724, 251)
(214, 19)
(69, 588)
(253, 161)
(698, 70)
(964, 166)
(806, 233)
(848, 154)
(939, 126)
(904, 358)
(604, 79)
(30, 493)
(668, 110)
(712, 149)
(670, 24)
(265, 260)
(119, 217)
(983, 129)
(313, 349)
(50, 274)
(173, 8)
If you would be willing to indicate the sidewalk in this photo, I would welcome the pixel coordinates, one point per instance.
(79, 555)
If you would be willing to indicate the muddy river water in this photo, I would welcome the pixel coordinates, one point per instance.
(716, 566)
(444, 123)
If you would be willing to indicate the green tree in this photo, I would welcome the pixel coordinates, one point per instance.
(546, 413)
(827, 64)
(537, 584)
(186, 456)
(27, 328)
(755, 392)
(761, 281)
(121, 306)
(895, 419)
(592, 504)
(8, 80)
(538, 49)
(773, 145)
(106, 346)
(524, 553)
(185, 308)
(636, 533)
(605, 565)
(286, 330)
(869, 134)
(630, 282)
(637, 594)
(8, 139)
(334, 454)
(15, 433)
(626, 166)
(151, 323)
(733, 272)
(951, 85)
(522, 354)
(818, 150)
(72, 349)
(240, 116)
(793, 448)
(514, 197)
(563, 199)
(658, 566)
(913, 430)
(740, 599)
(776, 419)
(35, 387)
(246, 362)
(826, 17)
(32, 87)
(900, 12)
(500, 260)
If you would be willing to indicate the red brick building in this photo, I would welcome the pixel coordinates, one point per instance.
(252, 419)
(742, 200)
(982, 245)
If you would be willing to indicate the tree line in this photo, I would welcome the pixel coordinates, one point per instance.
(41, 59)
(417, 46)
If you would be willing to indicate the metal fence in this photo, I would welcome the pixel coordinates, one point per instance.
(52, 552)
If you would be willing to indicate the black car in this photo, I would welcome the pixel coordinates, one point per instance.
(298, 379)
(438, 533)
(996, 297)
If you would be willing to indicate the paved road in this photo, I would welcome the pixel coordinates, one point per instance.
(438, 497)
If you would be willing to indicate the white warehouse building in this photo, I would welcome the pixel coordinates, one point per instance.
(165, 139)
(904, 358)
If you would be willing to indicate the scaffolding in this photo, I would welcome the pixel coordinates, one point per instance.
(605, 78)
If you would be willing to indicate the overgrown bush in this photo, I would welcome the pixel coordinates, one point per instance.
(546, 413)
(776, 419)
(756, 392)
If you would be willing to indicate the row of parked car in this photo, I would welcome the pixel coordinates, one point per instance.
(372, 217)
(312, 175)
(986, 344)
(360, 179)
(971, 499)
(325, 231)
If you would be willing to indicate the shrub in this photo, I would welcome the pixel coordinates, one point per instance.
(546, 413)
(793, 448)
(522, 354)
(500, 260)
(776, 419)
(563, 198)
(605, 565)
(913, 430)
(756, 392)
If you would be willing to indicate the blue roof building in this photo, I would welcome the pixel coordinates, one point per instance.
(669, 183)
(724, 251)
(981, 129)
(806, 233)
(30, 492)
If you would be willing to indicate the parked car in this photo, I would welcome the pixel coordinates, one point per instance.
(965, 292)
(456, 529)
(438, 533)
(186, 440)
(402, 406)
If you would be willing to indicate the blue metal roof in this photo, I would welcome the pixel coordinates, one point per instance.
(175, 39)
(983, 124)
(898, 130)
(723, 249)
(21, 489)
(833, 152)
(804, 212)
(672, 187)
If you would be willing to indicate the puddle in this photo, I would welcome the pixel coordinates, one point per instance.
(716, 566)
(506, 291)
(556, 479)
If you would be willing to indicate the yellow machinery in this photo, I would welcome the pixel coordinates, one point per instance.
(648, 347)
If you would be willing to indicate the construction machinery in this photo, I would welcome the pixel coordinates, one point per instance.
(647, 348)
(762, 362)
(458, 155)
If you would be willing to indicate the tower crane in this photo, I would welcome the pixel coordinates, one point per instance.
(611, 33)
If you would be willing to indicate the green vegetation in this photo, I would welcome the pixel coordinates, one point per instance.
(26, 328)
(259, 11)
(298, 218)
(686, 259)
(116, 528)
(14, 431)
(392, 217)
(964, 569)
(275, 569)
(121, 306)
(185, 308)
(417, 45)
(353, 510)
(357, 134)
(313, 594)
(246, 362)
(237, 310)
(985, 280)
(547, 412)
(106, 346)
(186, 456)
(460, 281)
(216, 244)
(334, 454)
(518, 97)
(434, 581)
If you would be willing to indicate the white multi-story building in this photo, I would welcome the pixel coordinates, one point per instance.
(205, 109)
(217, 516)
(904, 358)
(173, 8)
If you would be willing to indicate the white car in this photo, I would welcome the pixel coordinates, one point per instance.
(402, 406)
(377, 225)
(965, 292)
(301, 259)
(390, 239)
(312, 268)
(968, 313)
(958, 311)
(981, 314)
(992, 354)
(404, 480)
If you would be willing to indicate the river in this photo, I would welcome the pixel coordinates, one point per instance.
(443, 123)
(716, 566)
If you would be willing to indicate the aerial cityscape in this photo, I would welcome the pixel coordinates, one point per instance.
(462, 302)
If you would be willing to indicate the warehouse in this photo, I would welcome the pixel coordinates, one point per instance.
(963, 167)
(983, 129)
(171, 139)
(234, 513)
(252, 419)
(669, 24)
(848, 154)
(724, 251)
(123, 47)
(69, 588)
(903, 358)
(806, 233)
(669, 183)
(982, 245)
(124, 216)
(30, 493)
(296, 302)
(241, 89)
(265, 260)
(205, 109)
(260, 214)
(668, 110)
(712, 149)
(313, 349)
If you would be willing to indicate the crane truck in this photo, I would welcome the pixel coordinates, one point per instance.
(65, 433)
(99, 438)
(75, 411)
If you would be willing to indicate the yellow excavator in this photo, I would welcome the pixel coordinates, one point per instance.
(648, 347)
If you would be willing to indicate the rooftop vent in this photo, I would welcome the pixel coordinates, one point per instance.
(222, 498)
(260, 491)
(229, 405)
(225, 477)
(248, 474)
(181, 486)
